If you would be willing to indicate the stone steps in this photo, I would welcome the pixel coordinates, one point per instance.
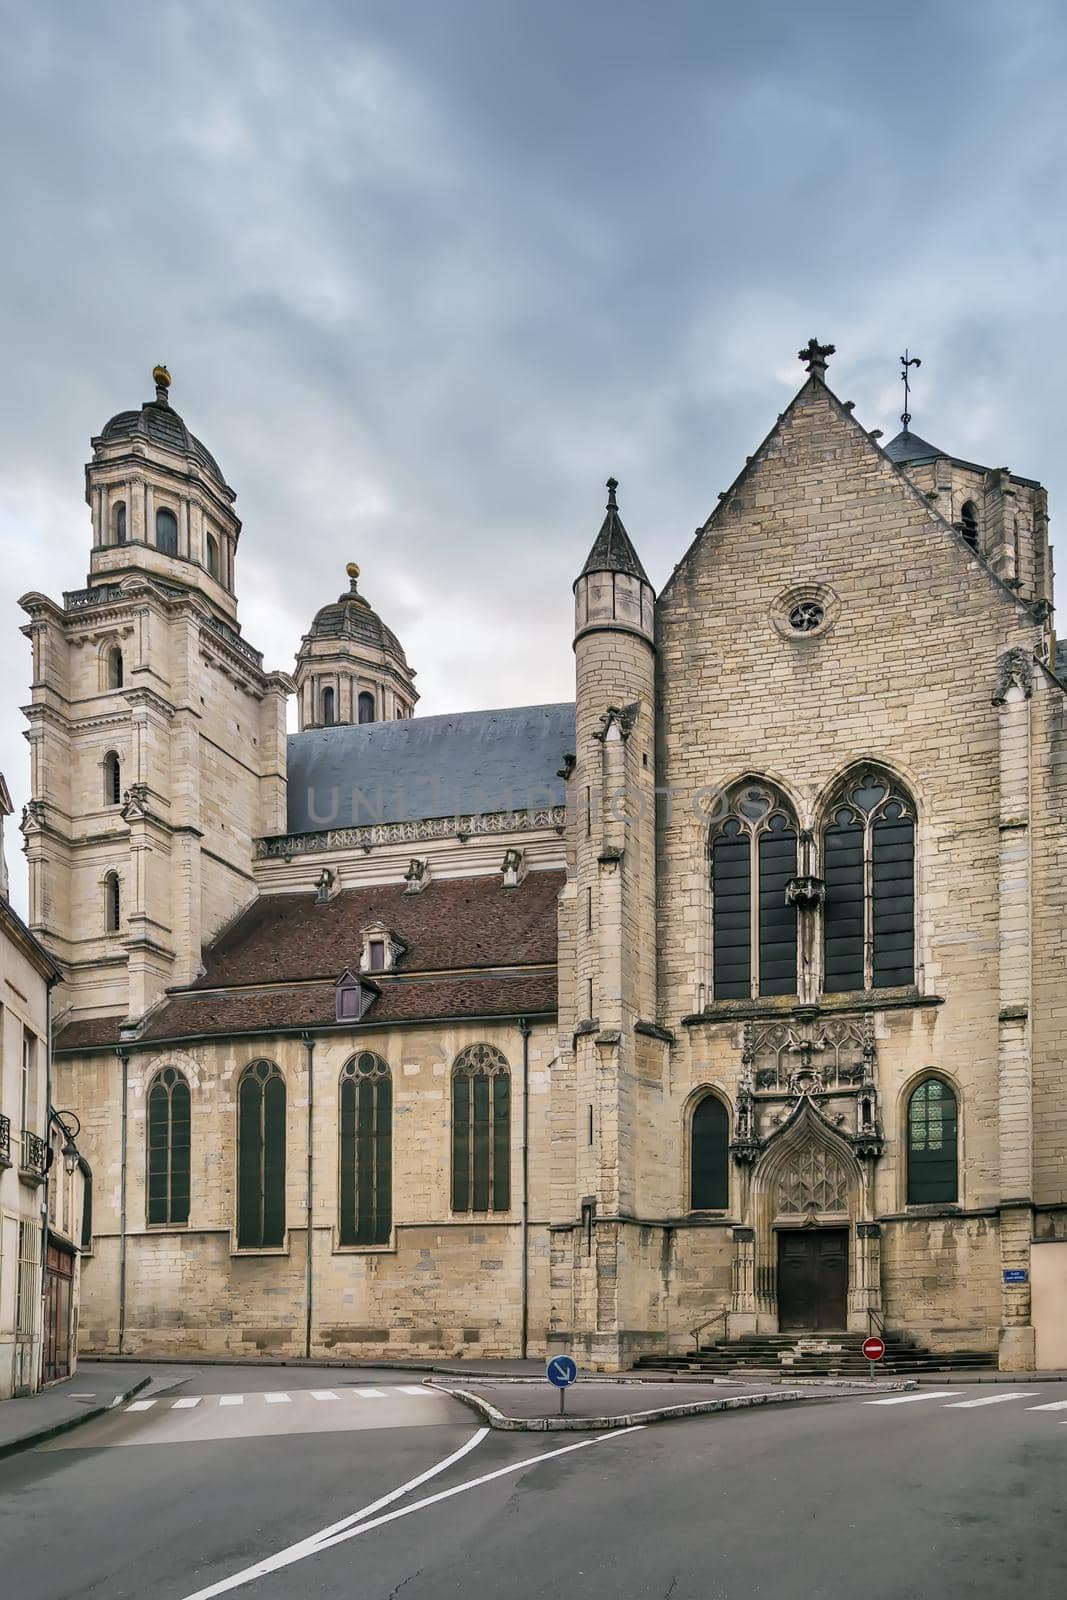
(841, 1355)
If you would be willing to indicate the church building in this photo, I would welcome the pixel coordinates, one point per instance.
(721, 1005)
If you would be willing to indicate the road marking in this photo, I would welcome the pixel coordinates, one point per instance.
(1056, 1405)
(84, 1395)
(328, 1538)
(140, 1405)
(231, 1399)
(370, 1394)
(990, 1400)
(276, 1399)
(905, 1399)
(323, 1394)
(412, 1388)
(189, 1400)
(306, 1546)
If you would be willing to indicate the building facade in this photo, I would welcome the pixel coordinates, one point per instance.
(722, 999)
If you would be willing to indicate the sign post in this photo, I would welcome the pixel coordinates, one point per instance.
(874, 1350)
(561, 1372)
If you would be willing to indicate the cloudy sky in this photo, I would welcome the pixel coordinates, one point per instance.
(427, 271)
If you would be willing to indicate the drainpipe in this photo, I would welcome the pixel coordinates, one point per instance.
(524, 1029)
(48, 1169)
(309, 1046)
(124, 1057)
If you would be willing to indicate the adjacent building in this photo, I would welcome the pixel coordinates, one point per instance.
(724, 998)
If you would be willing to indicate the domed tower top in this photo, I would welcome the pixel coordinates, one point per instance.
(160, 503)
(350, 667)
(612, 590)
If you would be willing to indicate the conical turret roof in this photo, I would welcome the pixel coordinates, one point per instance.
(612, 550)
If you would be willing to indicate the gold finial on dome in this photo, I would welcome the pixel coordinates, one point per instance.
(161, 379)
(353, 574)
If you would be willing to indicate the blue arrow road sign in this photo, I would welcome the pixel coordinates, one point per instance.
(562, 1371)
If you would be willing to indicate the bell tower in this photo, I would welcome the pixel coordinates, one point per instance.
(157, 739)
(351, 667)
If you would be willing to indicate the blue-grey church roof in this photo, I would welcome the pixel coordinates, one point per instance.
(471, 762)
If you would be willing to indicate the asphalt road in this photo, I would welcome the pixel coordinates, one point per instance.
(297, 1498)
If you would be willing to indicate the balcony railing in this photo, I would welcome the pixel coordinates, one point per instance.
(33, 1157)
(5, 1141)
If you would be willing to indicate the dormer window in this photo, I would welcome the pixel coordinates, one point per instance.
(381, 949)
(969, 523)
(352, 998)
(166, 531)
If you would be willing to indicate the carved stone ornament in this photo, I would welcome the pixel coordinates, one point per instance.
(514, 868)
(1015, 669)
(805, 893)
(417, 876)
(620, 717)
(813, 1181)
(827, 1064)
(135, 802)
(33, 816)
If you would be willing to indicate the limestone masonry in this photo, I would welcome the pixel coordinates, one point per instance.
(724, 1003)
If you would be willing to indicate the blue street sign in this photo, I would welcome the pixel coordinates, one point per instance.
(1016, 1275)
(562, 1371)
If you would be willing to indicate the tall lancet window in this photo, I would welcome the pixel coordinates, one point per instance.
(754, 927)
(869, 870)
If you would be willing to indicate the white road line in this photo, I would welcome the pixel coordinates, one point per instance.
(328, 1538)
(276, 1399)
(906, 1399)
(323, 1394)
(1056, 1405)
(370, 1394)
(189, 1400)
(412, 1388)
(231, 1399)
(140, 1405)
(990, 1400)
(306, 1546)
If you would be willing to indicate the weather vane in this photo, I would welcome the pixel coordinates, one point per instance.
(907, 361)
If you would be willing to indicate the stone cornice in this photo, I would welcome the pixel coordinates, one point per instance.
(365, 838)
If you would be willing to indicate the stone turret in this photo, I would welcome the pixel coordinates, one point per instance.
(351, 667)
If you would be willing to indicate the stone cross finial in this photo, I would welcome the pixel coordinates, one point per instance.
(612, 485)
(815, 354)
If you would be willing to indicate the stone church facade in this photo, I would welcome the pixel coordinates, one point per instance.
(723, 1002)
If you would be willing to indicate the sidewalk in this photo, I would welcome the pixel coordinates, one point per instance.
(95, 1388)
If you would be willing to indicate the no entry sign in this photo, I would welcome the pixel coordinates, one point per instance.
(873, 1348)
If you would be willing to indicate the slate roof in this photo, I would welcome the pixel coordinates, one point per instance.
(909, 447)
(404, 771)
(350, 617)
(160, 424)
(474, 949)
(612, 550)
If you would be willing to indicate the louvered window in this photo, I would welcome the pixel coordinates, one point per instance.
(709, 1156)
(932, 1144)
(261, 1158)
(168, 1148)
(366, 1209)
(754, 927)
(481, 1130)
(869, 871)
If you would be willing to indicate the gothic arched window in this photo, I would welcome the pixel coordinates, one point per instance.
(709, 1156)
(481, 1130)
(329, 712)
(969, 523)
(166, 531)
(366, 707)
(112, 779)
(754, 927)
(933, 1139)
(261, 1158)
(118, 522)
(869, 872)
(212, 556)
(168, 1148)
(366, 1198)
(115, 671)
(112, 903)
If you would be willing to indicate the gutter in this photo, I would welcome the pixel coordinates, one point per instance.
(124, 1057)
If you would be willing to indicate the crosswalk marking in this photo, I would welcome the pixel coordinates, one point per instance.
(412, 1388)
(322, 1394)
(189, 1400)
(370, 1394)
(906, 1399)
(281, 1397)
(231, 1399)
(1055, 1405)
(276, 1399)
(990, 1400)
(140, 1405)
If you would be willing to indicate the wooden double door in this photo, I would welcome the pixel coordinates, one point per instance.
(813, 1280)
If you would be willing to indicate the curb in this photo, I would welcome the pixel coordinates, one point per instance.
(26, 1441)
(631, 1419)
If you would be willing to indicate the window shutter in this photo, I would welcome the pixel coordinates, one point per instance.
(777, 919)
(249, 1155)
(501, 1082)
(179, 1151)
(273, 1162)
(732, 918)
(158, 1142)
(347, 1200)
(461, 1134)
(843, 911)
(383, 1160)
(893, 892)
